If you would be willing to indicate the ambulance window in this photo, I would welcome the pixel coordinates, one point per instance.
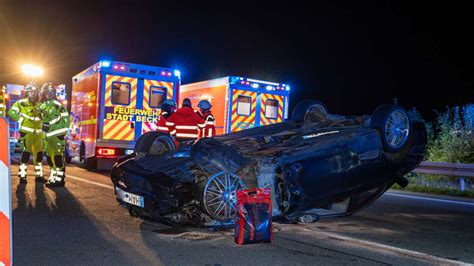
(157, 96)
(121, 93)
(271, 109)
(244, 104)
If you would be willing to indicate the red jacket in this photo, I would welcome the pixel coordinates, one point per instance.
(161, 124)
(185, 123)
(209, 129)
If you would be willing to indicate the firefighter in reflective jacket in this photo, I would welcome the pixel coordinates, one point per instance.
(209, 129)
(26, 112)
(167, 108)
(3, 105)
(55, 124)
(185, 123)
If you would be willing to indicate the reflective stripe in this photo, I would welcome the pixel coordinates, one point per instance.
(186, 127)
(57, 103)
(23, 166)
(56, 132)
(2, 105)
(22, 100)
(211, 123)
(20, 121)
(163, 128)
(54, 121)
(31, 117)
(173, 132)
(37, 167)
(27, 129)
(209, 133)
(59, 172)
(14, 108)
(202, 125)
(169, 123)
(184, 135)
(64, 114)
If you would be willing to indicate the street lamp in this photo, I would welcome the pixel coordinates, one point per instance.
(31, 70)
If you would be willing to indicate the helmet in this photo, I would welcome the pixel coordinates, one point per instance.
(186, 102)
(168, 106)
(204, 104)
(48, 92)
(31, 91)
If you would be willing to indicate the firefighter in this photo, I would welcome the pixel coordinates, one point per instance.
(167, 108)
(3, 104)
(185, 123)
(26, 112)
(55, 125)
(209, 129)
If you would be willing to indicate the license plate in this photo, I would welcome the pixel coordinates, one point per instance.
(130, 198)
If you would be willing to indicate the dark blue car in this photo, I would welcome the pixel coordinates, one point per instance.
(316, 163)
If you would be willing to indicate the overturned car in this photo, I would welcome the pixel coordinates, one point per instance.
(316, 162)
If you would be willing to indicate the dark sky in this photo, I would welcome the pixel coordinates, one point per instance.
(352, 56)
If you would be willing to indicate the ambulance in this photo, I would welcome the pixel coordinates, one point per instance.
(239, 103)
(112, 104)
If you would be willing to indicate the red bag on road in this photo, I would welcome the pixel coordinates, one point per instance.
(253, 223)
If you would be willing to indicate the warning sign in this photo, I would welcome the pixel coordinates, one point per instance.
(132, 114)
(5, 197)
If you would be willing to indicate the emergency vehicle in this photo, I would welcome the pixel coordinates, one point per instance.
(112, 104)
(239, 103)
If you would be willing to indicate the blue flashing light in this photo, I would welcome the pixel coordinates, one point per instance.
(254, 85)
(287, 88)
(177, 73)
(269, 88)
(105, 63)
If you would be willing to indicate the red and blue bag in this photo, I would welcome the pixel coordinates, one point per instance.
(253, 223)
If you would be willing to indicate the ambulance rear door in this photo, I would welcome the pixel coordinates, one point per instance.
(120, 98)
(271, 108)
(155, 92)
(243, 109)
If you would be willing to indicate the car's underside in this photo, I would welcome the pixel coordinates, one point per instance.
(322, 164)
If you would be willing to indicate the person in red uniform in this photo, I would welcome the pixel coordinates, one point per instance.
(185, 123)
(209, 129)
(167, 108)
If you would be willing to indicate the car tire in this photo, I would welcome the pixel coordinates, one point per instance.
(154, 142)
(90, 163)
(394, 126)
(82, 151)
(305, 106)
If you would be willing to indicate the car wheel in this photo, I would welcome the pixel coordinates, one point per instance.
(82, 151)
(219, 195)
(394, 125)
(307, 106)
(155, 142)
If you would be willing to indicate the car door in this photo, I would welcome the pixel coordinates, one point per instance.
(155, 92)
(243, 110)
(119, 99)
(271, 109)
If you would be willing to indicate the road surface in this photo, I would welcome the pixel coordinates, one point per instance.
(83, 224)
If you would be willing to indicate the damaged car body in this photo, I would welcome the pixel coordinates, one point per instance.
(316, 162)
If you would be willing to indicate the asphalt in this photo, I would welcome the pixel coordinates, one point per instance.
(83, 224)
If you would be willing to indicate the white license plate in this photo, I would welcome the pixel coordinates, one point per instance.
(130, 198)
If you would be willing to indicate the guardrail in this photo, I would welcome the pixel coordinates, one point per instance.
(449, 169)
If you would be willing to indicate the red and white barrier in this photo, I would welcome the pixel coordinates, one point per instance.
(6, 241)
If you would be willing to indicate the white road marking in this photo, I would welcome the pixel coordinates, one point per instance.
(89, 181)
(430, 199)
(395, 250)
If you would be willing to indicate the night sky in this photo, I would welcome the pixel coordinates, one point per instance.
(352, 56)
